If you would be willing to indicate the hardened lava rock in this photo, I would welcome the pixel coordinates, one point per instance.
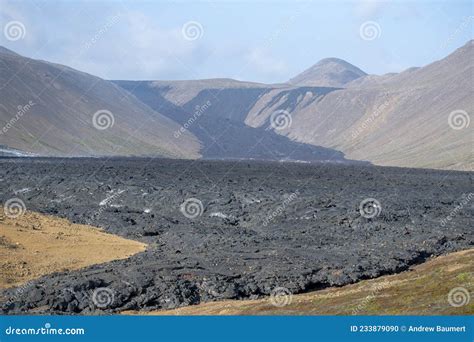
(233, 229)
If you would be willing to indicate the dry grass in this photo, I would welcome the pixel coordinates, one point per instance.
(34, 245)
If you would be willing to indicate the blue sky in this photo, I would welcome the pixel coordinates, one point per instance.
(263, 41)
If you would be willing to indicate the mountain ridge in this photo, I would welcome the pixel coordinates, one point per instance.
(53, 110)
(396, 119)
(328, 72)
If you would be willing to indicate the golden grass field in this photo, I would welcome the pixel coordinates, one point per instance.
(34, 245)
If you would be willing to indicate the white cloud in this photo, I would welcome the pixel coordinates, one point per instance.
(261, 61)
(10, 12)
(135, 45)
(368, 8)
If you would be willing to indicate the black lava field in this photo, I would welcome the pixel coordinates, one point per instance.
(235, 229)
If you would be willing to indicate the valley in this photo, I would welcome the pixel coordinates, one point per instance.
(332, 112)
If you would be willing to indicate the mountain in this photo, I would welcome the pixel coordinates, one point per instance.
(328, 72)
(417, 118)
(53, 110)
(215, 111)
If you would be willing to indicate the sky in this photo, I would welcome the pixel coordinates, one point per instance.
(261, 41)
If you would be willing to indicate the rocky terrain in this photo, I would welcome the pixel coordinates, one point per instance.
(426, 287)
(235, 230)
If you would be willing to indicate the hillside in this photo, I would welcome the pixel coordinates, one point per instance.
(397, 119)
(332, 111)
(53, 110)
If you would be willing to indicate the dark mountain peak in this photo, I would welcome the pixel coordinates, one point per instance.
(334, 60)
(328, 72)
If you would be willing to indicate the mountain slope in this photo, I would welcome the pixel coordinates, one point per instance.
(403, 119)
(328, 72)
(215, 111)
(397, 120)
(50, 109)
